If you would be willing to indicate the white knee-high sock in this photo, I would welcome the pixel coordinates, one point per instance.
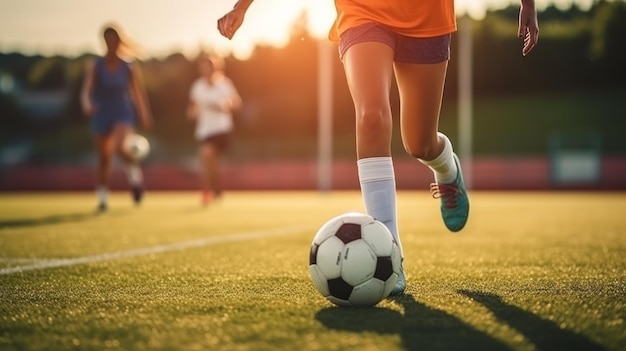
(378, 188)
(443, 166)
(134, 174)
(102, 193)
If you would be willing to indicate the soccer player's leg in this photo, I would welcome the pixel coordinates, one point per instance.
(368, 68)
(421, 91)
(105, 150)
(208, 156)
(132, 167)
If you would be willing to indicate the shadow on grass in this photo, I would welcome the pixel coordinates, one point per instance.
(54, 219)
(544, 334)
(421, 327)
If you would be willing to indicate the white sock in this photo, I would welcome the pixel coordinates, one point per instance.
(102, 193)
(134, 174)
(443, 166)
(378, 188)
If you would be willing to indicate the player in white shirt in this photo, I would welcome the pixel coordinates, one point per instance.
(212, 100)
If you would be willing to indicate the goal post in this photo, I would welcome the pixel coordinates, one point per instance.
(465, 98)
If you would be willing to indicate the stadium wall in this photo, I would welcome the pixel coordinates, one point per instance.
(486, 174)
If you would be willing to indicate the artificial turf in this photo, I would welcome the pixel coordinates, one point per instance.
(531, 271)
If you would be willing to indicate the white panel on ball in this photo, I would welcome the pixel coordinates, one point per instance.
(377, 235)
(329, 256)
(359, 263)
(368, 293)
(319, 280)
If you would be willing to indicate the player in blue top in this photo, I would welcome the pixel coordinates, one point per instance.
(113, 97)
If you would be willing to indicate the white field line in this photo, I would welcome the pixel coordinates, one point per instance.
(39, 264)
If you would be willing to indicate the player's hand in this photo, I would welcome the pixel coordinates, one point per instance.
(230, 22)
(528, 26)
(88, 108)
(193, 111)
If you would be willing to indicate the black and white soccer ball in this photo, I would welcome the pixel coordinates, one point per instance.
(354, 260)
(137, 146)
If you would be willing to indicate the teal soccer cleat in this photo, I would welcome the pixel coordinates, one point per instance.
(454, 200)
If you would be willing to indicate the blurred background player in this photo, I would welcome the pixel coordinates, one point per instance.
(212, 100)
(113, 97)
(411, 40)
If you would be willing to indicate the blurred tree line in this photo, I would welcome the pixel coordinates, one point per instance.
(578, 52)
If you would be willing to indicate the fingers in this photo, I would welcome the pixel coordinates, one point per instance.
(226, 26)
(89, 110)
(222, 26)
(530, 40)
(528, 28)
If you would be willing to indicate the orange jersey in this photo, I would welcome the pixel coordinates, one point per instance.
(413, 18)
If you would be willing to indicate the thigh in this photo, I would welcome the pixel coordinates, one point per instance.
(420, 67)
(217, 142)
(105, 145)
(421, 91)
(367, 53)
(369, 72)
(120, 131)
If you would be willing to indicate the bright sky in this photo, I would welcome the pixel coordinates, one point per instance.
(161, 27)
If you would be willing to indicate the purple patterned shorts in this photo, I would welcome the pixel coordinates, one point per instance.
(406, 49)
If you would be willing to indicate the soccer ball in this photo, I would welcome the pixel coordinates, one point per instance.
(354, 260)
(137, 146)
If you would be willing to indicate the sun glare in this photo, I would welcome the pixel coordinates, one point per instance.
(321, 16)
(477, 9)
(270, 23)
(72, 27)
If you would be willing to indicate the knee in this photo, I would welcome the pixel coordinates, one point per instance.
(373, 121)
(422, 149)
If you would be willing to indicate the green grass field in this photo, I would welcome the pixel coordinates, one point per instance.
(531, 271)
